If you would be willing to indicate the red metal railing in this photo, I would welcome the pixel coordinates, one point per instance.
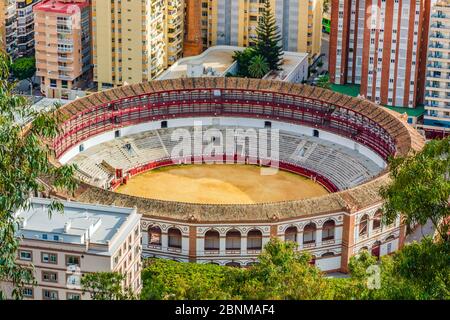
(233, 103)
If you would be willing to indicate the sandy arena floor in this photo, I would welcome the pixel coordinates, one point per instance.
(220, 184)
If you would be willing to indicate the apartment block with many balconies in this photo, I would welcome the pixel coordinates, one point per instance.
(25, 27)
(63, 46)
(437, 96)
(135, 41)
(381, 46)
(8, 27)
(85, 238)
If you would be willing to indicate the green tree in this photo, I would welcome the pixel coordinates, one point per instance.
(170, 280)
(258, 67)
(420, 187)
(106, 286)
(243, 59)
(269, 38)
(23, 161)
(24, 69)
(324, 82)
(282, 273)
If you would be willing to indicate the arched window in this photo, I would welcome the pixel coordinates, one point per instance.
(233, 264)
(212, 240)
(376, 220)
(254, 240)
(328, 230)
(291, 234)
(328, 254)
(376, 249)
(233, 240)
(309, 233)
(363, 225)
(174, 238)
(154, 236)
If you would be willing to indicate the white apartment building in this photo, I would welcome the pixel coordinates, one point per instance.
(85, 238)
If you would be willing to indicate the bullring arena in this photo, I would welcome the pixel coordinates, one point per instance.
(215, 204)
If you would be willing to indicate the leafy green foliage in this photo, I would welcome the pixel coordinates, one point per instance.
(269, 38)
(282, 273)
(24, 68)
(421, 187)
(23, 162)
(258, 67)
(106, 286)
(243, 59)
(324, 82)
(171, 280)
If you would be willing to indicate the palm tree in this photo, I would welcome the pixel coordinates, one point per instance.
(324, 82)
(258, 67)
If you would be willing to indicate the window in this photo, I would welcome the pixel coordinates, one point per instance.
(174, 238)
(290, 234)
(154, 236)
(48, 276)
(309, 233)
(49, 257)
(376, 221)
(25, 255)
(27, 292)
(73, 296)
(212, 240)
(163, 124)
(72, 260)
(254, 240)
(49, 294)
(233, 240)
(117, 134)
(363, 225)
(328, 230)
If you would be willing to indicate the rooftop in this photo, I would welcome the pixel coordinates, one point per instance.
(61, 6)
(290, 61)
(215, 60)
(80, 222)
(347, 89)
(411, 112)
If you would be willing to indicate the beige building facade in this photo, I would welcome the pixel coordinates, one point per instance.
(84, 239)
(234, 23)
(8, 27)
(135, 41)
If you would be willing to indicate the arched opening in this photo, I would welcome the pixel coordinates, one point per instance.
(254, 240)
(363, 225)
(175, 237)
(376, 249)
(328, 230)
(233, 264)
(327, 255)
(309, 234)
(212, 241)
(316, 133)
(376, 224)
(233, 241)
(363, 249)
(154, 236)
(291, 234)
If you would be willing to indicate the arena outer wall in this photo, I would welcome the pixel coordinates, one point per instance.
(234, 234)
